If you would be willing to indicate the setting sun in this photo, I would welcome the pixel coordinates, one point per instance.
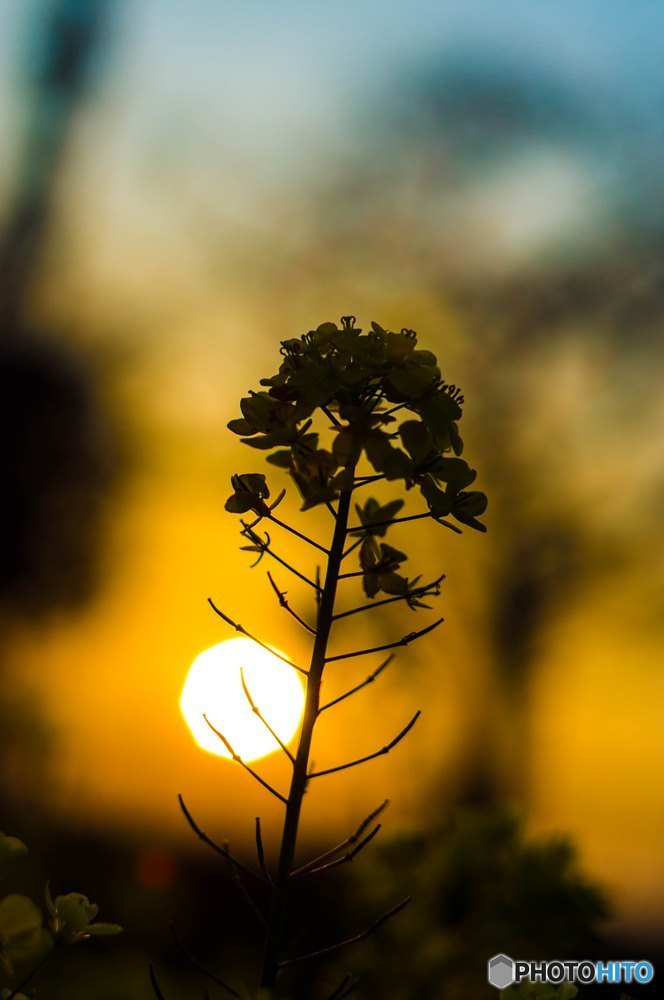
(214, 689)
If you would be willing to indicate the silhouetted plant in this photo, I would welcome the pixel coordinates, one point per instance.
(26, 936)
(356, 383)
(483, 887)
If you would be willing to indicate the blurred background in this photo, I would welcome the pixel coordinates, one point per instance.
(181, 187)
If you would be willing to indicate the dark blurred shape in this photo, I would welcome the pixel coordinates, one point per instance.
(59, 460)
(550, 277)
(479, 888)
(60, 452)
(62, 55)
(476, 103)
(60, 445)
(156, 867)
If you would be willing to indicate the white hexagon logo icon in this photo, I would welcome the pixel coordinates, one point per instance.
(501, 971)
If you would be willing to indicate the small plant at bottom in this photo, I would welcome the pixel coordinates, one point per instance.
(389, 416)
(26, 937)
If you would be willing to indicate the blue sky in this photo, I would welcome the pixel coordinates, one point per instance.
(272, 65)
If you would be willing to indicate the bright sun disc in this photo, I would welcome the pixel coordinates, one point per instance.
(214, 688)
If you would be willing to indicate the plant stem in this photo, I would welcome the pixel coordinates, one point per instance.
(277, 916)
(33, 972)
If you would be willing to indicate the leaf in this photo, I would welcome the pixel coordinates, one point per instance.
(439, 503)
(259, 410)
(271, 439)
(539, 991)
(22, 936)
(75, 910)
(282, 459)
(373, 513)
(371, 584)
(369, 553)
(393, 583)
(73, 918)
(379, 563)
(250, 493)
(454, 471)
(399, 346)
(416, 440)
(385, 458)
(412, 381)
(11, 847)
(18, 916)
(104, 930)
(439, 412)
(391, 556)
(424, 358)
(50, 905)
(347, 447)
(342, 480)
(252, 481)
(327, 330)
(240, 426)
(239, 503)
(466, 507)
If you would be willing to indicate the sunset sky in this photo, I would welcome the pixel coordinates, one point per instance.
(201, 218)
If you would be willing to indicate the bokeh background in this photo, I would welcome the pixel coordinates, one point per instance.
(182, 186)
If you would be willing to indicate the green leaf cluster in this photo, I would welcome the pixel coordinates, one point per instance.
(25, 937)
(358, 380)
(539, 991)
(72, 917)
(22, 935)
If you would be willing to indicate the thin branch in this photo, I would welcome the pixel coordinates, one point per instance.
(294, 531)
(400, 406)
(252, 536)
(348, 856)
(351, 548)
(328, 413)
(372, 756)
(350, 986)
(256, 710)
(331, 509)
(348, 842)
(244, 892)
(319, 592)
(411, 637)
(33, 972)
(367, 528)
(429, 590)
(324, 952)
(347, 986)
(340, 989)
(347, 576)
(281, 597)
(156, 988)
(385, 524)
(243, 763)
(358, 687)
(261, 852)
(367, 480)
(243, 631)
(201, 968)
(225, 853)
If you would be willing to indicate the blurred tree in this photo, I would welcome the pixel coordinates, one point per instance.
(61, 451)
(481, 889)
(557, 312)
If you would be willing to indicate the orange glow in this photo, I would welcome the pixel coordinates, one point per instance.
(214, 689)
